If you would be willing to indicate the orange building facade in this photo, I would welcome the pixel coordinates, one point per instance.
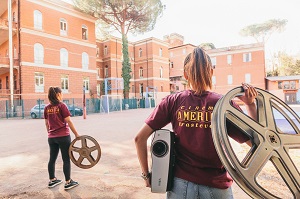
(286, 88)
(233, 65)
(53, 45)
(237, 64)
(149, 65)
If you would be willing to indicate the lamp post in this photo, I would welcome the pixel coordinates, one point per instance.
(84, 106)
(11, 63)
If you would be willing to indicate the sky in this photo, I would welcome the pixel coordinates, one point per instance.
(219, 22)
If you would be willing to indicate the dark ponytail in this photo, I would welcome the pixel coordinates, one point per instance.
(52, 95)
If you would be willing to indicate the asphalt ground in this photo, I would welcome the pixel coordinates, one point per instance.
(24, 156)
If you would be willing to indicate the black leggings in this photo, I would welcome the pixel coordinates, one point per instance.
(62, 143)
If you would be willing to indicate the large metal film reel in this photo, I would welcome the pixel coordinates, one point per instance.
(270, 142)
(87, 154)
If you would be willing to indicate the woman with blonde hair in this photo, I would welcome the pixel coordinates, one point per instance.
(199, 172)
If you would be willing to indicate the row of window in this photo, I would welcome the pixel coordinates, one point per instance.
(141, 72)
(64, 56)
(183, 52)
(38, 25)
(287, 85)
(230, 79)
(105, 52)
(247, 57)
(160, 52)
(142, 91)
(40, 88)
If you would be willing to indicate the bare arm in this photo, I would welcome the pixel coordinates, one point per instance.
(252, 111)
(47, 125)
(141, 147)
(71, 125)
(249, 99)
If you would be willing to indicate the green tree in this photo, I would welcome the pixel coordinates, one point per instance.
(261, 32)
(124, 16)
(287, 65)
(207, 46)
(126, 69)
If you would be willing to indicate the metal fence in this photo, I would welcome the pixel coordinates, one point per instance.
(33, 108)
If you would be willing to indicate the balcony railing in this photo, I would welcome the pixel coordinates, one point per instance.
(7, 91)
(4, 23)
(5, 61)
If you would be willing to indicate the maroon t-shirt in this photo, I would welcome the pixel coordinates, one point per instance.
(55, 116)
(196, 158)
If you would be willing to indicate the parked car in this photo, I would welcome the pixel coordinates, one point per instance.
(37, 111)
(75, 110)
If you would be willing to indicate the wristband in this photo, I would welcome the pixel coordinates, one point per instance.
(145, 176)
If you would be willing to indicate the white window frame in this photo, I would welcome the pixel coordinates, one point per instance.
(98, 72)
(106, 71)
(105, 51)
(38, 53)
(64, 57)
(140, 89)
(38, 20)
(98, 89)
(140, 52)
(39, 82)
(64, 83)
(214, 80)
(229, 59)
(248, 78)
(229, 79)
(63, 25)
(141, 72)
(160, 52)
(85, 33)
(213, 61)
(86, 84)
(161, 72)
(247, 57)
(85, 60)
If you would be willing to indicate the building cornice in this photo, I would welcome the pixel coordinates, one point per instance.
(181, 46)
(55, 37)
(236, 49)
(283, 78)
(113, 39)
(151, 40)
(65, 8)
(30, 64)
(149, 78)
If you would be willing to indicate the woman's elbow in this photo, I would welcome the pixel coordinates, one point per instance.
(137, 139)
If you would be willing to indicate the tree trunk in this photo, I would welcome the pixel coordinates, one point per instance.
(126, 69)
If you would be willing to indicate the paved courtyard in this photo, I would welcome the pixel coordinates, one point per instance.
(24, 157)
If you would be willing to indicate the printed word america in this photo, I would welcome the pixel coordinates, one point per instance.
(195, 116)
